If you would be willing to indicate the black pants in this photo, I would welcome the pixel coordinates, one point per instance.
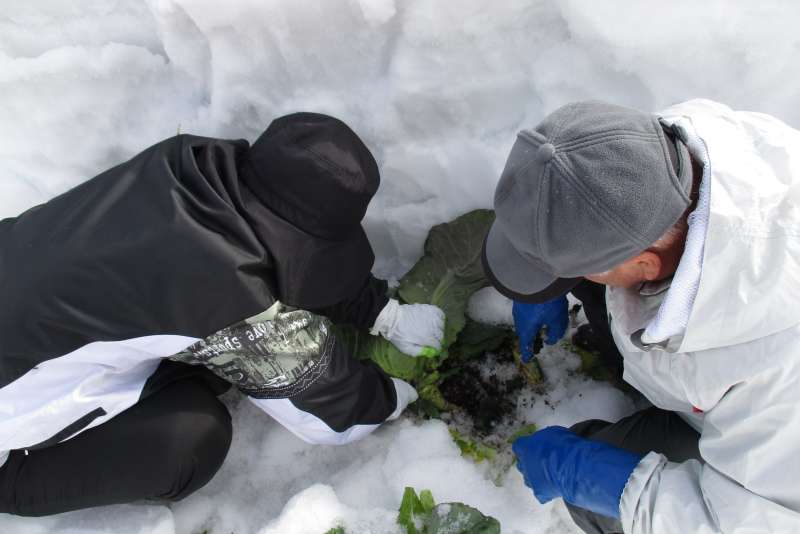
(652, 429)
(163, 448)
(593, 298)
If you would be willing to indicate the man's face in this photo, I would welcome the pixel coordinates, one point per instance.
(629, 274)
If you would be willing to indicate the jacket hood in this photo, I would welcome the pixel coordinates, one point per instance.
(311, 180)
(750, 280)
(314, 172)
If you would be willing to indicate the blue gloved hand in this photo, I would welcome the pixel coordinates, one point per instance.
(530, 318)
(589, 474)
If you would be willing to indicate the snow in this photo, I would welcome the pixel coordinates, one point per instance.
(437, 90)
(570, 397)
(487, 305)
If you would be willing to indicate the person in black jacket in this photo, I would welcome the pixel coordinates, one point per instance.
(131, 301)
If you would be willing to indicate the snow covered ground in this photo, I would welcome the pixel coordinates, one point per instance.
(437, 89)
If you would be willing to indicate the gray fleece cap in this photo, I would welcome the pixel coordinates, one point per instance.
(590, 187)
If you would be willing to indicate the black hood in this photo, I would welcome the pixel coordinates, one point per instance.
(311, 180)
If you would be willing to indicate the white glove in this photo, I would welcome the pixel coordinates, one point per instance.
(415, 329)
(406, 394)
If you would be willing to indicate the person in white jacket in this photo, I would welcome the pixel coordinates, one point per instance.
(691, 218)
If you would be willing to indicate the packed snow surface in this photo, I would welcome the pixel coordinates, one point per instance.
(437, 89)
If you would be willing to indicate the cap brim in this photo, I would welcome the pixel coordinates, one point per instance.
(515, 277)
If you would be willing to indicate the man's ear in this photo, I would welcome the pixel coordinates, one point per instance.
(650, 265)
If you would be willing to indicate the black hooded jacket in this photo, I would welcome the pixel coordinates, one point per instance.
(181, 240)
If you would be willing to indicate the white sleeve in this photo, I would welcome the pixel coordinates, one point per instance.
(308, 426)
(689, 497)
(312, 428)
(749, 479)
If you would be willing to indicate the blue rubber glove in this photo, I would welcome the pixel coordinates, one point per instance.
(589, 474)
(530, 318)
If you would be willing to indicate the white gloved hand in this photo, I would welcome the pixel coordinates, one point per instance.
(415, 329)
(406, 394)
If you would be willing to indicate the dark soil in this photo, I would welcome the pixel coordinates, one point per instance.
(487, 401)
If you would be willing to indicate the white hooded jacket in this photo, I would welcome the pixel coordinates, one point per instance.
(734, 369)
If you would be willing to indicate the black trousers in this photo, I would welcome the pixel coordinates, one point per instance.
(163, 448)
(593, 298)
(648, 430)
(652, 429)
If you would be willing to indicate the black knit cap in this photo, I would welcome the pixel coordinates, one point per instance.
(315, 174)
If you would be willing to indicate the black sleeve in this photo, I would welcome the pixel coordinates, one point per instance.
(350, 392)
(593, 297)
(363, 308)
(346, 401)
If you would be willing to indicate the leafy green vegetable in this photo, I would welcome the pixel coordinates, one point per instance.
(450, 269)
(447, 275)
(455, 517)
(428, 389)
(426, 501)
(478, 338)
(471, 448)
(336, 530)
(592, 364)
(421, 515)
(411, 506)
(526, 430)
(382, 352)
(532, 371)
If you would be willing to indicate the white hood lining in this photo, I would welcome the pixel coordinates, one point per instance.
(673, 314)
